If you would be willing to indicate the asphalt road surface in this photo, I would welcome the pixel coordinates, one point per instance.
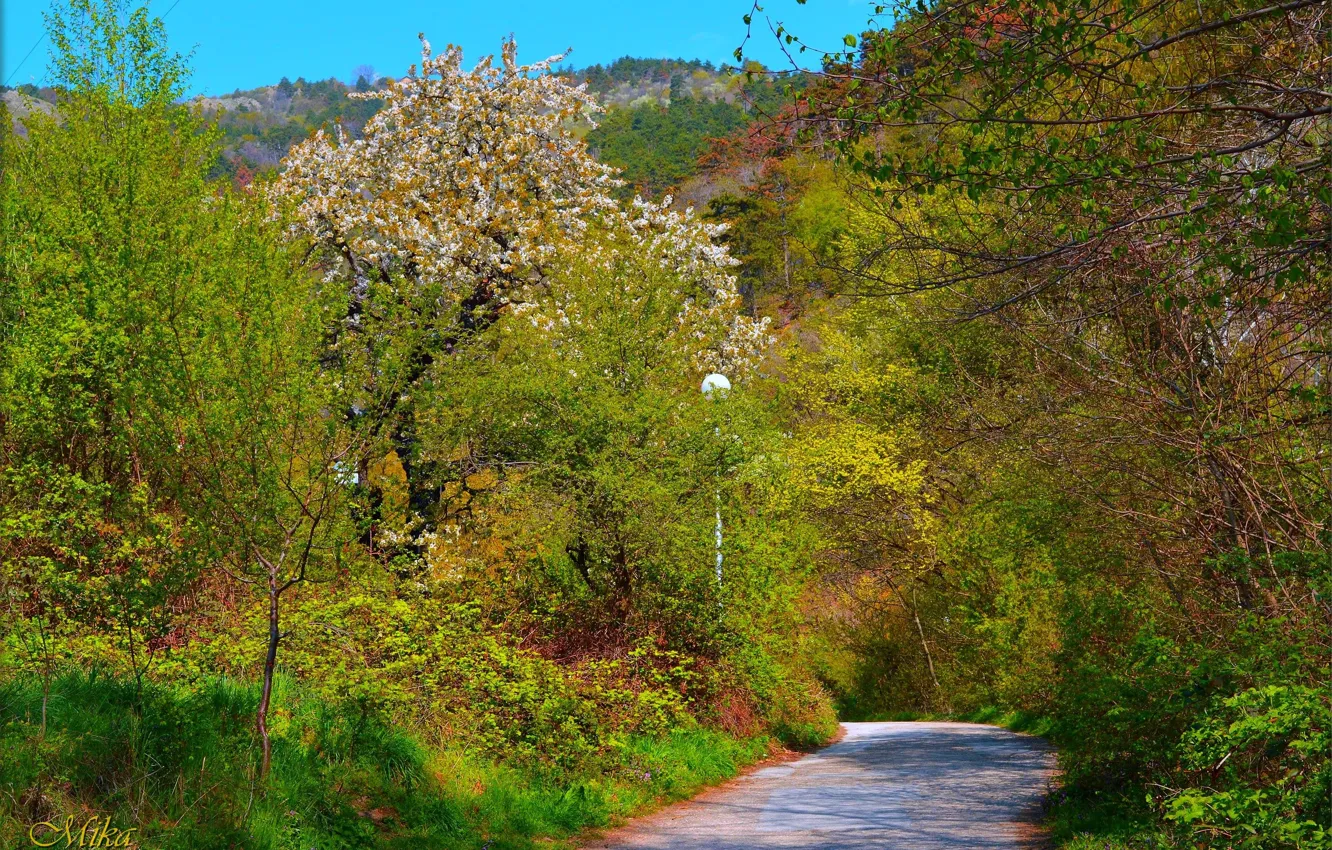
(888, 786)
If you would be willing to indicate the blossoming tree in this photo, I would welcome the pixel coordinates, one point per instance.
(454, 206)
(464, 183)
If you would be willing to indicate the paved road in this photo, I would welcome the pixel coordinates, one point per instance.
(888, 786)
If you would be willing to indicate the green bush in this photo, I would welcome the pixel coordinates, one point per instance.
(1262, 758)
(179, 764)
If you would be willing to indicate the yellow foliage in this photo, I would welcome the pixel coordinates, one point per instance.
(855, 457)
(483, 480)
(390, 478)
(845, 460)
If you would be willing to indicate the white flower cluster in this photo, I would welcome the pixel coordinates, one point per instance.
(711, 324)
(471, 181)
(462, 176)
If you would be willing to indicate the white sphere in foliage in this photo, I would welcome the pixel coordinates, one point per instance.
(713, 382)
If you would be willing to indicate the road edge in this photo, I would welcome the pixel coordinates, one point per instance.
(779, 754)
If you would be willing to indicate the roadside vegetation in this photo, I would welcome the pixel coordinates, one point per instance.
(175, 760)
(370, 500)
(1085, 267)
(326, 520)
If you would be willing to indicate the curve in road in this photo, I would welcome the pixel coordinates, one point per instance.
(900, 786)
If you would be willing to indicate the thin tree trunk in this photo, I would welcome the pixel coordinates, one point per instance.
(924, 644)
(270, 662)
(920, 630)
(134, 664)
(46, 674)
(786, 260)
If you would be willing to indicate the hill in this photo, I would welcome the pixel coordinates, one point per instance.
(660, 115)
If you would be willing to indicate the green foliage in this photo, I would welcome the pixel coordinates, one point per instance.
(592, 468)
(658, 147)
(1092, 165)
(177, 764)
(1185, 714)
(628, 69)
(227, 619)
(140, 384)
(785, 217)
(1069, 228)
(1278, 738)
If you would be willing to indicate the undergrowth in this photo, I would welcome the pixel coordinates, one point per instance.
(178, 764)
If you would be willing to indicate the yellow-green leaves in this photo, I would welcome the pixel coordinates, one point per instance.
(847, 460)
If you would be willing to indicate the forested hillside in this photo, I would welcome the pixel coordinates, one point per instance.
(661, 115)
(357, 488)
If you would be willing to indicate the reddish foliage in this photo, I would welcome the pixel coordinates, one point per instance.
(244, 177)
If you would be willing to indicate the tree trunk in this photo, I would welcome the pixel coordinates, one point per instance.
(924, 644)
(46, 673)
(910, 607)
(270, 662)
(786, 260)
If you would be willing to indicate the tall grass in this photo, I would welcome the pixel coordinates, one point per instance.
(178, 763)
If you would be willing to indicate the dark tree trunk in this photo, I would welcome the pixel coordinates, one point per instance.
(270, 663)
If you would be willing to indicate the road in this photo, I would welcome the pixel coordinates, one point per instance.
(888, 786)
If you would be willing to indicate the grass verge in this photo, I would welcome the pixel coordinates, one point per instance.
(178, 766)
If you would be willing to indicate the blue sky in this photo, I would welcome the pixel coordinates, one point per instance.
(244, 43)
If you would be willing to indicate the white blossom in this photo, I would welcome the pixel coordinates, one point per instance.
(471, 181)
(463, 177)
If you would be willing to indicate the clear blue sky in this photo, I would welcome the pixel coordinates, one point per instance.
(245, 43)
